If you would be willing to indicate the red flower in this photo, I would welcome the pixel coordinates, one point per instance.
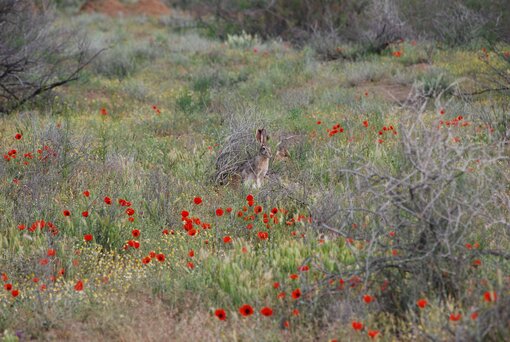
(229, 210)
(191, 265)
(15, 293)
(295, 312)
(130, 211)
(152, 254)
(373, 333)
(257, 209)
(51, 252)
(249, 198)
(219, 212)
(220, 313)
(192, 232)
(422, 303)
(293, 276)
(160, 257)
(266, 311)
(104, 111)
(442, 111)
(197, 200)
(246, 310)
(17, 136)
(276, 285)
(4, 277)
(184, 213)
(263, 235)
(474, 316)
(66, 213)
(44, 262)
(296, 293)
(191, 253)
(86, 193)
(357, 325)
(365, 123)
(21, 227)
(87, 237)
(8, 287)
(281, 295)
(165, 231)
(108, 200)
(146, 260)
(304, 268)
(227, 239)
(455, 318)
(135, 233)
(78, 286)
(85, 214)
(490, 296)
(368, 299)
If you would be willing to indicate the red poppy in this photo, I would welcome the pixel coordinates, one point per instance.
(281, 295)
(18, 136)
(257, 209)
(455, 317)
(184, 213)
(86, 193)
(229, 210)
(219, 212)
(227, 239)
(368, 299)
(192, 232)
(293, 276)
(146, 260)
(295, 312)
(490, 296)
(373, 333)
(104, 111)
(266, 311)
(108, 200)
(135, 233)
(78, 286)
(4, 277)
(296, 293)
(85, 214)
(249, 198)
(21, 227)
(474, 316)
(66, 213)
(304, 268)
(476, 262)
(160, 257)
(197, 200)
(422, 303)
(152, 254)
(191, 265)
(357, 325)
(15, 293)
(220, 313)
(44, 262)
(87, 237)
(51, 252)
(276, 285)
(263, 235)
(130, 211)
(165, 232)
(8, 287)
(246, 310)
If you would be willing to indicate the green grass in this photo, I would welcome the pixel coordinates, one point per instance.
(160, 161)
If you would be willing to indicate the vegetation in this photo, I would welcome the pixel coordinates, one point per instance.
(384, 214)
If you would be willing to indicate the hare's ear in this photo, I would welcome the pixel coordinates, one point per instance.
(262, 136)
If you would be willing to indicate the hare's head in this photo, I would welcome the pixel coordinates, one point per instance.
(262, 139)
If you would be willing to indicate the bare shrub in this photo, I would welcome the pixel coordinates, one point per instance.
(410, 213)
(35, 55)
(239, 143)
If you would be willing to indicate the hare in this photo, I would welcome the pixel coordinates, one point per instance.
(255, 170)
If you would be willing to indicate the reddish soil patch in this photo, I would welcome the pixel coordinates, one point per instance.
(115, 7)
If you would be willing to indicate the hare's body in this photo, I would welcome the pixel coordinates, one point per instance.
(254, 171)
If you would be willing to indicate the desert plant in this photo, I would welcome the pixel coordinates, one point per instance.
(35, 55)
